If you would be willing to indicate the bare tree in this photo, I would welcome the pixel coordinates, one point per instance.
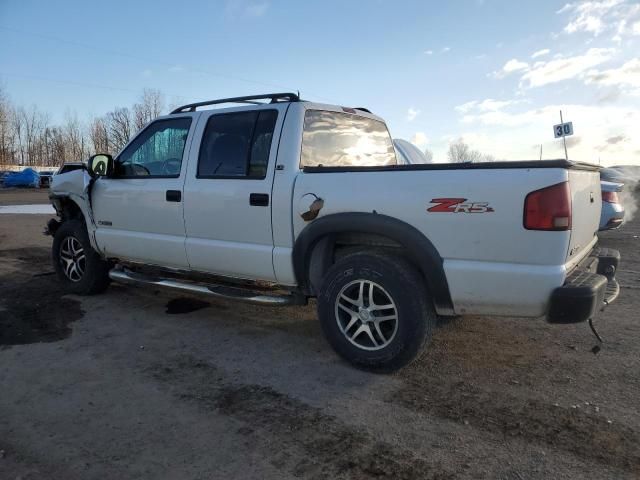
(428, 155)
(27, 138)
(99, 135)
(57, 147)
(150, 107)
(6, 137)
(460, 152)
(120, 126)
(74, 139)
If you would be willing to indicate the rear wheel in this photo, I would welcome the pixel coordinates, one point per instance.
(79, 267)
(374, 311)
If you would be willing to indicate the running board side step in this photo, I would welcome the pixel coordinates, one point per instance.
(218, 291)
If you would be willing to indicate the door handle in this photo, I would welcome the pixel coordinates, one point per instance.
(174, 195)
(259, 199)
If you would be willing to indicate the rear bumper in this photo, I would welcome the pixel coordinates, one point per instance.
(589, 288)
(611, 216)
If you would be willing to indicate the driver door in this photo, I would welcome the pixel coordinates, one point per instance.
(139, 210)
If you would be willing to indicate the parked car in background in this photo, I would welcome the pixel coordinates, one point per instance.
(45, 178)
(70, 167)
(612, 174)
(612, 213)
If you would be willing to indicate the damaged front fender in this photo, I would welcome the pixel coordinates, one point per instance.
(75, 187)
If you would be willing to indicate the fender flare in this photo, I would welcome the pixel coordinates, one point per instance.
(416, 246)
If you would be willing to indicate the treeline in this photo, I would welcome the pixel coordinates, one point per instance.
(28, 137)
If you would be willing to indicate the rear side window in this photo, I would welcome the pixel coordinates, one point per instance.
(237, 145)
(334, 139)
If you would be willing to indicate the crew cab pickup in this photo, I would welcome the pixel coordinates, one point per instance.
(279, 200)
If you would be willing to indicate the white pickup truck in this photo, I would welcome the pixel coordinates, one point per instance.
(279, 200)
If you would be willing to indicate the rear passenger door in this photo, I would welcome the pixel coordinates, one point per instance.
(227, 201)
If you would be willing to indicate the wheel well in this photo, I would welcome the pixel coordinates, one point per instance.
(326, 239)
(69, 210)
(332, 247)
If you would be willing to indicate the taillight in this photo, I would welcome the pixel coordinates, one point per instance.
(611, 197)
(548, 208)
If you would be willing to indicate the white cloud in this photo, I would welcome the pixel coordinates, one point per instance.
(557, 70)
(420, 139)
(540, 53)
(587, 16)
(446, 49)
(176, 68)
(428, 52)
(627, 75)
(636, 28)
(597, 17)
(412, 113)
(488, 105)
(599, 130)
(513, 65)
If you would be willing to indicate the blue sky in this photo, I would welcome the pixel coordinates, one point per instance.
(493, 72)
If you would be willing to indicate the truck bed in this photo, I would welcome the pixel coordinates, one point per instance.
(493, 263)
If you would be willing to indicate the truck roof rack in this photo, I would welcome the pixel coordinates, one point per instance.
(274, 97)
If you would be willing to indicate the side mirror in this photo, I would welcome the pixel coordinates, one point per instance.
(100, 165)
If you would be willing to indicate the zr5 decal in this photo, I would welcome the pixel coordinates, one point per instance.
(458, 205)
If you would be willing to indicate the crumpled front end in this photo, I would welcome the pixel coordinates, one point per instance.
(69, 194)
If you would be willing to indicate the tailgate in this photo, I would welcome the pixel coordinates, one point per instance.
(586, 203)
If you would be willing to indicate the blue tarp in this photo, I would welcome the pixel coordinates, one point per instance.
(26, 178)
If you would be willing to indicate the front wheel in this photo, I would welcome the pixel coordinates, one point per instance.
(79, 267)
(374, 311)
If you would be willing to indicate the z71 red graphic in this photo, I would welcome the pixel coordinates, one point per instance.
(458, 205)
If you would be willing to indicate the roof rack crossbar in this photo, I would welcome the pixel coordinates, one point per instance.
(274, 97)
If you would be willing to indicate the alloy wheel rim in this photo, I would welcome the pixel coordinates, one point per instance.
(72, 259)
(366, 315)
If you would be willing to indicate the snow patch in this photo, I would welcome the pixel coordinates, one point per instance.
(43, 209)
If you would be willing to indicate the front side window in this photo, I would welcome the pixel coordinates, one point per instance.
(157, 151)
(334, 139)
(237, 145)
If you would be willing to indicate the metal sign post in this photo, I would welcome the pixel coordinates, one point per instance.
(563, 130)
(564, 140)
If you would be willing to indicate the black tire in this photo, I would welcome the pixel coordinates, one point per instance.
(388, 275)
(91, 274)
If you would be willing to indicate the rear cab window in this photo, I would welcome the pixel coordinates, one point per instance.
(335, 139)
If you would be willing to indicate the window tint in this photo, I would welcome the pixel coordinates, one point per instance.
(157, 151)
(333, 139)
(237, 144)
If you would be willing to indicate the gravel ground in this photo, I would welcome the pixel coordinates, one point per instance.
(137, 383)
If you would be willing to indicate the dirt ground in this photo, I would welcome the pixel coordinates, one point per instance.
(137, 383)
